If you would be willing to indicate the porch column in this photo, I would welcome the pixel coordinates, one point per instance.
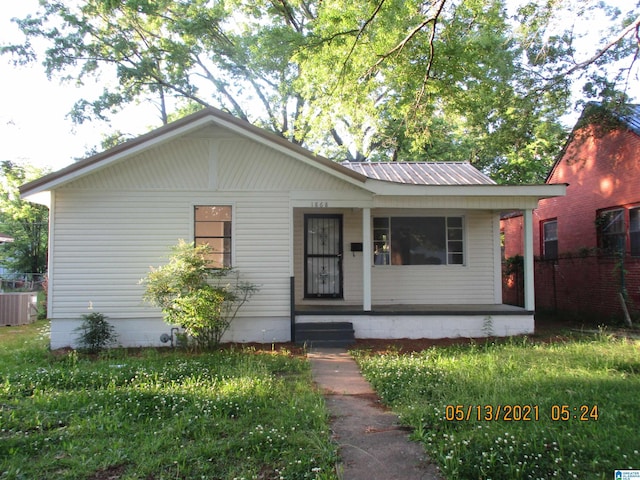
(529, 292)
(367, 255)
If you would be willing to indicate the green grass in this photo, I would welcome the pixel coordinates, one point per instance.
(425, 389)
(157, 415)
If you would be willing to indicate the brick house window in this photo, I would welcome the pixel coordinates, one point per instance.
(550, 239)
(634, 231)
(611, 234)
(213, 227)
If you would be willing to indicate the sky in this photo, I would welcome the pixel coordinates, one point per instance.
(34, 127)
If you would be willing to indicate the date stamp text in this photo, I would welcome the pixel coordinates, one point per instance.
(520, 413)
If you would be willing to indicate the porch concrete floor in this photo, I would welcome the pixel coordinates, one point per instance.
(445, 309)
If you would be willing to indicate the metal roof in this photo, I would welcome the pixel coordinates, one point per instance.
(630, 115)
(422, 173)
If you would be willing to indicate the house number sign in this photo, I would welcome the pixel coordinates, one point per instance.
(320, 204)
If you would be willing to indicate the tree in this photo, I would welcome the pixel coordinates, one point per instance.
(447, 80)
(26, 222)
(357, 80)
(193, 51)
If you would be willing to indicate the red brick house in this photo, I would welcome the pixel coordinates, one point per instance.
(587, 243)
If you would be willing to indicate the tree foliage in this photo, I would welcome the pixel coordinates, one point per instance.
(27, 223)
(477, 80)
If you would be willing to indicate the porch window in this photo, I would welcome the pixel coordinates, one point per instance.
(634, 231)
(418, 241)
(213, 227)
(611, 231)
(550, 239)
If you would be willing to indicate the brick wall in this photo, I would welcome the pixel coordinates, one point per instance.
(602, 170)
(581, 285)
(513, 288)
(587, 285)
(512, 229)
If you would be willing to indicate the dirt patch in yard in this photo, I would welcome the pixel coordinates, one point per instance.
(113, 472)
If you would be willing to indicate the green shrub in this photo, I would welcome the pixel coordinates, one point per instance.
(95, 333)
(202, 300)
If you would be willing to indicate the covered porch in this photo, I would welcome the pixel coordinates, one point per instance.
(389, 301)
(414, 257)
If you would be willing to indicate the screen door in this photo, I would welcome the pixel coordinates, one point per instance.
(323, 256)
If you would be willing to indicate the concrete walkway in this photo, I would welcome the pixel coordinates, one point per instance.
(373, 445)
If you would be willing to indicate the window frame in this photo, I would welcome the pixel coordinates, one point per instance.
(546, 241)
(604, 237)
(454, 231)
(634, 234)
(227, 236)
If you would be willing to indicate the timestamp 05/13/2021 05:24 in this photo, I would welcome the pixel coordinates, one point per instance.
(520, 413)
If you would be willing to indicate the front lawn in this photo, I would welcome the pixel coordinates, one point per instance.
(518, 409)
(156, 415)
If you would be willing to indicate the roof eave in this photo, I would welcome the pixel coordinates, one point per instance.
(180, 127)
(482, 190)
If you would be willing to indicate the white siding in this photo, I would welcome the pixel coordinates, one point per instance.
(180, 164)
(105, 243)
(110, 226)
(115, 223)
(258, 168)
(472, 283)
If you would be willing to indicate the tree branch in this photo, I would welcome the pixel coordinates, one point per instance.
(635, 25)
(398, 48)
(432, 52)
(221, 88)
(358, 35)
(554, 80)
(288, 14)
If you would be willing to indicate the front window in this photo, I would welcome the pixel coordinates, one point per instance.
(550, 239)
(612, 231)
(213, 227)
(418, 241)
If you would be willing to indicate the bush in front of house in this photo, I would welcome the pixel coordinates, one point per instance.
(201, 299)
(96, 333)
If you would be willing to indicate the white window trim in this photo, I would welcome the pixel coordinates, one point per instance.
(465, 239)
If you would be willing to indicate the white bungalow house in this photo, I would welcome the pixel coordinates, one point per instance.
(398, 250)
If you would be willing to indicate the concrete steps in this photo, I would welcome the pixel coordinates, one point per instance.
(325, 334)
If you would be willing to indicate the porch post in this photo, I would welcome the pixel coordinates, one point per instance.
(529, 292)
(367, 254)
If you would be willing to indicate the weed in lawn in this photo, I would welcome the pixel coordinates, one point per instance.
(226, 414)
(555, 385)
